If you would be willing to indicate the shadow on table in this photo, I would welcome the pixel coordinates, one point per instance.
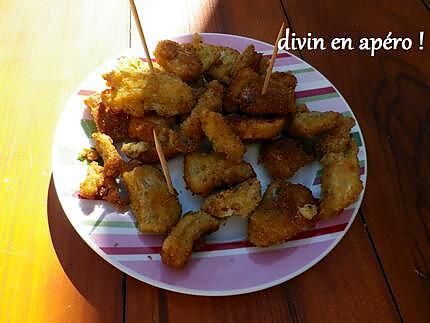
(95, 279)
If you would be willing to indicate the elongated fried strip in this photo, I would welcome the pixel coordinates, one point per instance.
(336, 139)
(204, 172)
(178, 59)
(283, 157)
(251, 128)
(340, 183)
(313, 123)
(223, 139)
(107, 121)
(240, 200)
(178, 246)
(191, 133)
(279, 97)
(283, 212)
(111, 159)
(155, 209)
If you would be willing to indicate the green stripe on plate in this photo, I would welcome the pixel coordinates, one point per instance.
(112, 224)
(317, 98)
(89, 127)
(303, 70)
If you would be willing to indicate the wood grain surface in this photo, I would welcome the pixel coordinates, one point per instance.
(378, 273)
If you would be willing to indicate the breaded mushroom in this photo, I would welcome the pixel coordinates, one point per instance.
(279, 98)
(155, 209)
(283, 157)
(222, 137)
(336, 139)
(204, 172)
(135, 90)
(111, 159)
(178, 246)
(313, 123)
(340, 183)
(255, 128)
(240, 200)
(286, 209)
(178, 59)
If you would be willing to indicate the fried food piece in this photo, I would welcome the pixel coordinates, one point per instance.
(280, 215)
(313, 123)
(208, 54)
(155, 209)
(107, 121)
(336, 139)
(178, 246)
(279, 98)
(191, 133)
(97, 185)
(223, 139)
(145, 151)
(251, 128)
(283, 157)
(224, 67)
(204, 172)
(88, 154)
(240, 200)
(134, 90)
(340, 183)
(178, 59)
(242, 79)
(111, 159)
(248, 58)
(141, 128)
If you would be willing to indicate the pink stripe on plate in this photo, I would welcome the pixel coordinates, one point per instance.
(313, 92)
(233, 271)
(84, 92)
(286, 61)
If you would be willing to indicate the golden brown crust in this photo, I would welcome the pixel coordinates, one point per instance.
(248, 58)
(340, 183)
(243, 78)
(142, 128)
(111, 159)
(283, 157)
(279, 98)
(107, 121)
(207, 53)
(239, 200)
(178, 246)
(255, 128)
(223, 68)
(222, 137)
(313, 123)
(278, 217)
(178, 59)
(204, 172)
(155, 209)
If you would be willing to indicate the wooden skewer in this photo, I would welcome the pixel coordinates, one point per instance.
(163, 163)
(142, 36)
(272, 61)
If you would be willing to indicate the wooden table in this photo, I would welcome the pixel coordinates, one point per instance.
(380, 272)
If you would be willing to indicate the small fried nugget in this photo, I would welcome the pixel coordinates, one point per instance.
(207, 53)
(107, 121)
(178, 246)
(242, 79)
(155, 209)
(313, 123)
(92, 183)
(178, 59)
(286, 209)
(88, 154)
(134, 89)
(283, 157)
(279, 98)
(240, 200)
(254, 128)
(141, 128)
(222, 137)
(248, 58)
(336, 139)
(111, 159)
(224, 67)
(204, 172)
(340, 183)
(191, 133)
